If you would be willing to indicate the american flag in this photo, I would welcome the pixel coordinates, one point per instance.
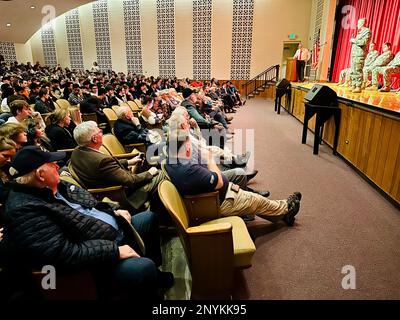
(315, 52)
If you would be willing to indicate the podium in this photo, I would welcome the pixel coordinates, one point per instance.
(291, 73)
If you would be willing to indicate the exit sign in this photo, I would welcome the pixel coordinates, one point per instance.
(292, 36)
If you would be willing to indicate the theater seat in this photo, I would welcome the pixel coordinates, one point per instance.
(213, 249)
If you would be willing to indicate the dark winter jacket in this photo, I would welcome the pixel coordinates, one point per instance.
(128, 133)
(61, 138)
(44, 230)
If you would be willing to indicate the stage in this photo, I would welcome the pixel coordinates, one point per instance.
(369, 133)
(380, 101)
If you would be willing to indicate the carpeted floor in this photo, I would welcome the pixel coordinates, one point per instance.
(342, 221)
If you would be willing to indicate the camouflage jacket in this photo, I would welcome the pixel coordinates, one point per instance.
(396, 61)
(371, 57)
(361, 44)
(383, 59)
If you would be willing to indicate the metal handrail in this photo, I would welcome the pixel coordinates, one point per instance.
(267, 76)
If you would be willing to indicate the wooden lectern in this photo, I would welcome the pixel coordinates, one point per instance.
(291, 73)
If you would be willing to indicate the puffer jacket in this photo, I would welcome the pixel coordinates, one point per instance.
(43, 230)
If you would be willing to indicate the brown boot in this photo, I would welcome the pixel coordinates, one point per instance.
(372, 88)
(357, 90)
(385, 89)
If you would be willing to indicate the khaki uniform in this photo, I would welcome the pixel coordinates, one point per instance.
(359, 52)
(392, 68)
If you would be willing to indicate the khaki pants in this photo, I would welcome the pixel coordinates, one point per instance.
(244, 203)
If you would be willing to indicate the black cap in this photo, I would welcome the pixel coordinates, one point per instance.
(187, 92)
(31, 158)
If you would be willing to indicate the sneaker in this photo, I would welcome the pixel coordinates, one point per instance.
(384, 89)
(293, 202)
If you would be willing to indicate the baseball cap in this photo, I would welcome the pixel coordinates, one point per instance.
(187, 92)
(31, 158)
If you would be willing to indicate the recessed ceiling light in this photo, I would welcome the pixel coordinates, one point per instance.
(8, 24)
(32, 7)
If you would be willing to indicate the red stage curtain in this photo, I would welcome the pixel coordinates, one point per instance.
(383, 18)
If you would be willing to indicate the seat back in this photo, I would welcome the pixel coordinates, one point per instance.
(208, 248)
(111, 116)
(89, 117)
(105, 151)
(115, 108)
(202, 207)
(173, 202)
(134, 107)
(138, 103)
(111, 143)
(62, 103)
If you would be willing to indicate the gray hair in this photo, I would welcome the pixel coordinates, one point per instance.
(122, 111)
(175, 122)
(83, 133)
(179, 110)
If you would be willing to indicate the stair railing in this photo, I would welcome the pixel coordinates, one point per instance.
(267, 77)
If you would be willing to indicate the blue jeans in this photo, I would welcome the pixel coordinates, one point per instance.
(146, 224)
(135, 278)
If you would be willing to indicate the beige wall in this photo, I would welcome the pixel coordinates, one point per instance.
(274, 20)
(221, 39)
(87, 35)
(60, 35)
(23, 52)
(37, 49)
(183, 38)
(148, 15)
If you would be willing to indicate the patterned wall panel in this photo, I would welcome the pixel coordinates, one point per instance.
(202, 10)
(166, 37)
(7, 50)
(102, 34)
(242, 36)
(133, 36)
(49, 45)
(74, 39)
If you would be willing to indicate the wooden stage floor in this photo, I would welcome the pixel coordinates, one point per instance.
(385, 100)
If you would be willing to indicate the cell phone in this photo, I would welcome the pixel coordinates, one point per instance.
(235, 188)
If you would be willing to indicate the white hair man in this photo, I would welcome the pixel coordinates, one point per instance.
(97, 170)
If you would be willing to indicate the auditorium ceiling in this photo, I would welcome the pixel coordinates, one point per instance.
(20, 19)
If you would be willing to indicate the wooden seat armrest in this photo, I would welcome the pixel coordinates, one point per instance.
(210, 229)
(126, 155)
(202, 207)
(113, 188)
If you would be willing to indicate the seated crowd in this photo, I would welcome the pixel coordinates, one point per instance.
(50, 158)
